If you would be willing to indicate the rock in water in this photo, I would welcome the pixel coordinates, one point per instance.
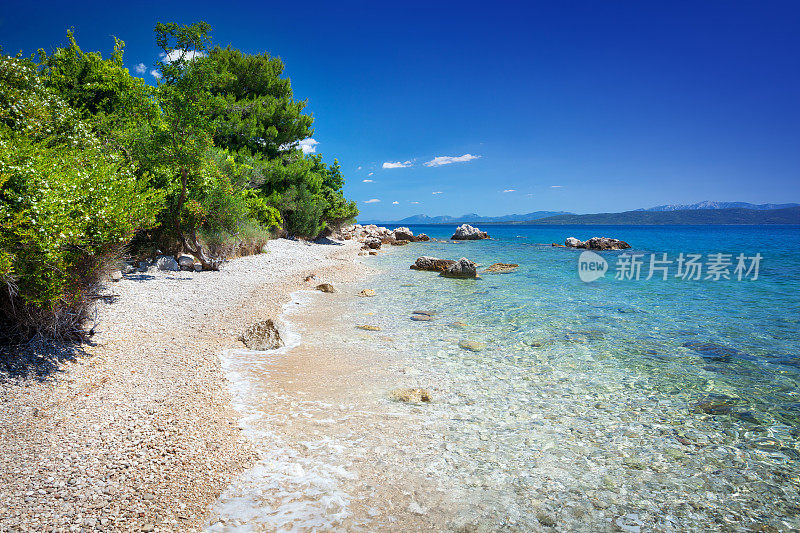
(421, 318)
(168, 263)
(463, 268)
(372, 242)
(367, 292)
(597, 243)
(403, 234)
(433, 264)
(369, 327)
(465, 232)
(501, 268)
(325, 287)
(411, 395)
(262, 336)
(422, 238)
(472, 346)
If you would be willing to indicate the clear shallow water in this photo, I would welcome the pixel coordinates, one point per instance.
(611, 406)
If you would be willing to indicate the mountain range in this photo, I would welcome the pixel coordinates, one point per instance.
(729, 213)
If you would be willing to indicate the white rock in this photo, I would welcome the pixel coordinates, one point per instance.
(465, 232)
(167, 262)
(572, 242)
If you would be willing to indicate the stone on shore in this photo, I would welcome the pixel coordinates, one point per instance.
(262, 336)
(167, 263)
(399, 243)
(403, 234)
(465, 232)
(411, 395)
(367, 292)
(597, 243)
(432, 264)
(116, 275)
(325, 287)
(368, 327)
(186, 261)
(463, 268)
(373, 242)
(501, 268)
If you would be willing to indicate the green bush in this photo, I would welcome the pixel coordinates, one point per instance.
(66, 209)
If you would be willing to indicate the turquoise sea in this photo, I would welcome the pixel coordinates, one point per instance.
(615, 405)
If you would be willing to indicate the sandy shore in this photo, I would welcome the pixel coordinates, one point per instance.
(140, 433)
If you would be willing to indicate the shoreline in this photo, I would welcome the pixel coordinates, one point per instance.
(141, 434)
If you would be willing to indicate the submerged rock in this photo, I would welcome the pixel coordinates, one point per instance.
(369, 327)
(367, 292)
(421, 318)
(325, 287)
(465, 232)
(261, 336)
(428, 313)
(501, 268)
(432, 264)
(711, 351)
(472, 346)
(411, 395)
(463, 268)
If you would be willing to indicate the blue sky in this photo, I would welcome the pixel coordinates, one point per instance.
(576, 106)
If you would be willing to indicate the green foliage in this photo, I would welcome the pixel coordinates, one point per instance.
(66, 205)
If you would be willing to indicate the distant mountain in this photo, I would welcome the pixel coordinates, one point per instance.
(718, 205)
(788, 215)
(469, 218)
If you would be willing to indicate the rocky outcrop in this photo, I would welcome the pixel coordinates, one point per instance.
(421, 238)
(463, 268)
(403, 234)
(597, 243)
(373, 242)
(261, 336)
(465, 232)
(501, 268)
(432, 264)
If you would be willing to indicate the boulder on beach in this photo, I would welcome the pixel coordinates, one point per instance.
(432, 264)
(373, 242)
(403, 234)
(463, 268)
(411, 395)
(325, 287)
(167, 263)
(465, 232)
(262, 336)
(597, 243)
(186, 261)
(115, 275)
(501, 268)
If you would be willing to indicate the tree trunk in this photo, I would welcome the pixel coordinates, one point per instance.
(192, 245)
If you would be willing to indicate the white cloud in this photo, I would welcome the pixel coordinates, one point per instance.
(370, 174)
(448, 159)
(178, 53)
(397, 164)
(308, 146)
(556, 186)
(373, 201)
(414, 202)
(156, 74)
(436, 192)
(140, 68)
(509, 190)
(366, 181)
(359, 168)
(395, 203)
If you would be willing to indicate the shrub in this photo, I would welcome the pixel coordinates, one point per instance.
(66, 210)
